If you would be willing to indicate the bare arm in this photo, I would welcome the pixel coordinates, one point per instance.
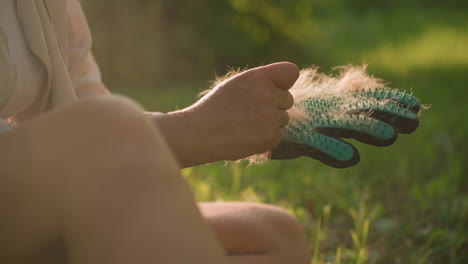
(240, 117)
(84, 71)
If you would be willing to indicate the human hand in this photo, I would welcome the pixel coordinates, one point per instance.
(354, 105)
(242, 115)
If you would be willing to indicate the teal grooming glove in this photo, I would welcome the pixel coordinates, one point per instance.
(373, 116)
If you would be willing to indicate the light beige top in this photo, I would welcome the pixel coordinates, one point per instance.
(45, 57)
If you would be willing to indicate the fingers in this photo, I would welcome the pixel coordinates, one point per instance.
(333, 152)
(330, 151)
(361, 128)
(283, 118)
(270, 83)
(398, 98)
(282, 74)
(283, 99)
(287, 150)
(401, 124)
(399, 117)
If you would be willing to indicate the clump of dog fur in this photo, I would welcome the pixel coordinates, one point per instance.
(343, 82)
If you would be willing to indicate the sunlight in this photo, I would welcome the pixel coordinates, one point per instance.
(436, 47)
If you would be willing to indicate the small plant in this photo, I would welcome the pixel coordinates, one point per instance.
(355, 252)
(320, 233)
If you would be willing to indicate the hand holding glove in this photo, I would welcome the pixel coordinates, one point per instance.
(353, 105)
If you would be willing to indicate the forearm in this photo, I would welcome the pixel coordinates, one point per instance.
(188, 140)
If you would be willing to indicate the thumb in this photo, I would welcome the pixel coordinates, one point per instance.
(282, 74)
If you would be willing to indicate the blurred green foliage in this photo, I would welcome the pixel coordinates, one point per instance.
(407, 203)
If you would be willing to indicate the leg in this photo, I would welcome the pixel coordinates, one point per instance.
(257, 233)
(97, 178)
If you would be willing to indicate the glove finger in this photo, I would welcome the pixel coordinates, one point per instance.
(287, 150)
(330, 151)
(362, 128)
(400, 118)
(398, 98)
(401, 124)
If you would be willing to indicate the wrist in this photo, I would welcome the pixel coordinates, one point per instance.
(186, 136)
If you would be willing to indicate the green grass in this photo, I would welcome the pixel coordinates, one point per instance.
(407, 203)
(446, 46)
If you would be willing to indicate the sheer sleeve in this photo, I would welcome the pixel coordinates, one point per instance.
(84, 70)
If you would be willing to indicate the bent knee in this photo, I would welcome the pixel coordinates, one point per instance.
(88, 118)
(287, 234)
(107, 114)
(105, 132)
(107, 121)
(252, 227)
(117, 128)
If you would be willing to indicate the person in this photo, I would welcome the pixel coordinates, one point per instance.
(90, 177)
